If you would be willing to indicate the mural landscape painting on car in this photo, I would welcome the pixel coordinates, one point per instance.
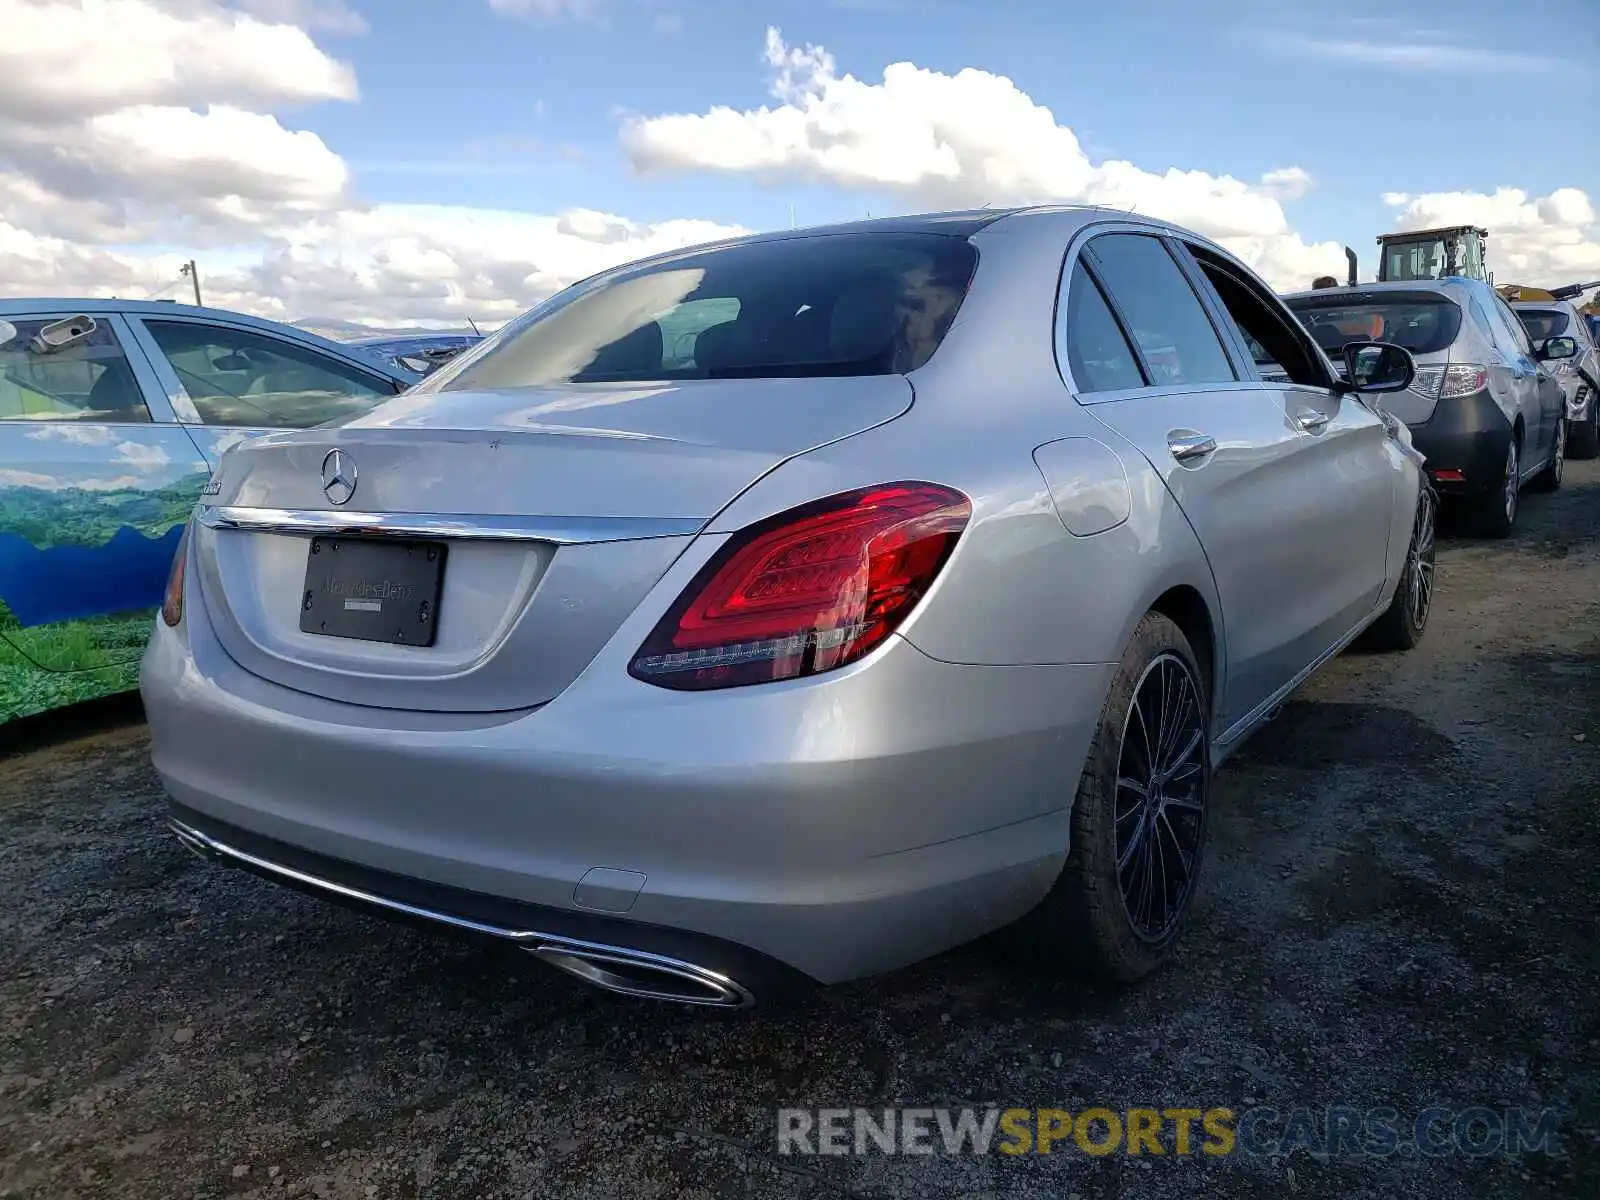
(79, 570)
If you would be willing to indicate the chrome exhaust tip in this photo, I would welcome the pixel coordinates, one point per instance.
(644, 976)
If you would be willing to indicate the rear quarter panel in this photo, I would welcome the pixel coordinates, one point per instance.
(1020, 588)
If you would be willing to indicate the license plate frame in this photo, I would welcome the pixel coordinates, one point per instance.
(383, 590)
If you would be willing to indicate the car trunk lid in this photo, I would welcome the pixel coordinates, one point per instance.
(555, 511)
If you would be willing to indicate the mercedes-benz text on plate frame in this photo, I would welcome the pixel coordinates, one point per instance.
(338, 476)
(833, 603)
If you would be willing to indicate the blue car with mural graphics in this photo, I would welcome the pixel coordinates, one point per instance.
(112, 416)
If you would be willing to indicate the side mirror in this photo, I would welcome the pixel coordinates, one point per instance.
(1557, 347)
(1376, 367)
(232, 362)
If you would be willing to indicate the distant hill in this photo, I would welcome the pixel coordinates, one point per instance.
(68, 553)
(47, 517)
(344, 331)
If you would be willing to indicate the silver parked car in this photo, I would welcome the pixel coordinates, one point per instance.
(798, 606)
(1486, 409)
(1579, 375)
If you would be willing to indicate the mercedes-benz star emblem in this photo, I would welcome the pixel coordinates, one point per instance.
(338, 476)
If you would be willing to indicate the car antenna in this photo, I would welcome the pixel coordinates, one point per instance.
(475, 328)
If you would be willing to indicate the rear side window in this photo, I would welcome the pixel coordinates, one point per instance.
(1487, 325)
(1517, 335)
(1543, 323)
(1163, 315)
(826, 305)
(1096, 351)
(1424, 323)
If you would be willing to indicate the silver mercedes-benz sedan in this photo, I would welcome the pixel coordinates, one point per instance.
(795, 607)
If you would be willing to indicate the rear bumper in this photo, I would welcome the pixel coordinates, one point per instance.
(1465, 442)
(659, 963)
(840, 827)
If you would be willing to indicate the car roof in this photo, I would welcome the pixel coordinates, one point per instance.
(89, 306)
(1456, 287)
(1566, 305)
(959, 223)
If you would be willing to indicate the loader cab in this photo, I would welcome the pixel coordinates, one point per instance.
(1433, 254)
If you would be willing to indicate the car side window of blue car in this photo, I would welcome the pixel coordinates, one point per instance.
(86, 379)
(242, 379)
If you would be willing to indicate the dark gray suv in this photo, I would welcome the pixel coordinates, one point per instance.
(1486, 407)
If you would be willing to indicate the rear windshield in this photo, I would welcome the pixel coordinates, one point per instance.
(830, 304)
(1543, 323)
(1422, 325)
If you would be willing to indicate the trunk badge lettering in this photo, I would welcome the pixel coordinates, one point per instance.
(338, 476)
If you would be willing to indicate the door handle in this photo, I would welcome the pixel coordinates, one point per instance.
(1188, 446)
(1310, 419)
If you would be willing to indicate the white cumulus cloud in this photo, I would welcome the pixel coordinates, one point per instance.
(1538, 240)
(61, 59)
(947, 141)
(133, 120)
(161, 123)
(136, 134)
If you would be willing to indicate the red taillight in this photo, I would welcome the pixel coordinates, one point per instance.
(806, 591)
(1449, 475)
(172, 602)
(1462, 379)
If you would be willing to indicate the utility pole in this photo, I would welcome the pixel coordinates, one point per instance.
(193, 272)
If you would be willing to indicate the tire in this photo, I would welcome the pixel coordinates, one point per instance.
(1583, 439)
(1496, 512)
(1549, 479)
(1404, 621)
(1088, 923)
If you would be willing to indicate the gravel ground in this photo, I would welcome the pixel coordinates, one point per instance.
(1400, 909)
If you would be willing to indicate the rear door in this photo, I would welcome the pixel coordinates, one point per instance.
(96, 481)
(229, 381)
(1146, 359)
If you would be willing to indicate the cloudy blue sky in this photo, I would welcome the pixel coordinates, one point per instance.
(395, 160)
